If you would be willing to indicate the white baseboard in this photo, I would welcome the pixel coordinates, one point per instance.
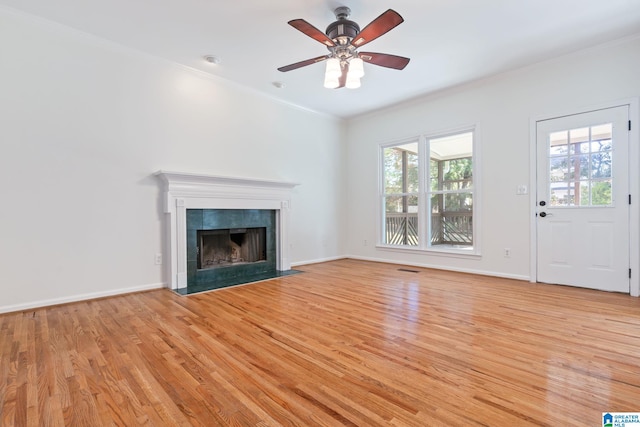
(75, 298)
(440, 267)
(317, 261)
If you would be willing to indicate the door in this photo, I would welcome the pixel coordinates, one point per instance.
(582, 221)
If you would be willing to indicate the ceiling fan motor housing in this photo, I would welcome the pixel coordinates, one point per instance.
(342, 28)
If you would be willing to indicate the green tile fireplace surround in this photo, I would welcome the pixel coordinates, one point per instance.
(228, 275)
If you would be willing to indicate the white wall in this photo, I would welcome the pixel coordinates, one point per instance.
(83, 126)
(502, 108)
(85, 123)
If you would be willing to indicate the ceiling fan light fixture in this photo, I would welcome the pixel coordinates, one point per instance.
(331, 82)
(333, 69)
(352, 82)
(356, 68)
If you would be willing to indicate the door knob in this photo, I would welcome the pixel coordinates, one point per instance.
(543, 214)
(543, 203)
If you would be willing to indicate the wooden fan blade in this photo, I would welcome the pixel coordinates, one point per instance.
(303, 63)
(311, 31)
(379, 26)
(384, 60)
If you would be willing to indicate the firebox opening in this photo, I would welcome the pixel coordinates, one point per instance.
(231, 246)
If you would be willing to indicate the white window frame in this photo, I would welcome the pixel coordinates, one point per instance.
(424, 243)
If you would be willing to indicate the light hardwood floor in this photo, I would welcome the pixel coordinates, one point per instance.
(345, 343)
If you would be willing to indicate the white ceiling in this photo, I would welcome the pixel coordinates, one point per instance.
(449, 41)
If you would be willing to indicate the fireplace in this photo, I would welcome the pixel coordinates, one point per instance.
(231, 246)
(205, 203)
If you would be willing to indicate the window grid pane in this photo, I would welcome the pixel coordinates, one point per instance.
(401, 186)
(401, 224)
(580, 166)
(450, 190)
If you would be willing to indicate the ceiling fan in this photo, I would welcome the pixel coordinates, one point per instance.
(343, 37)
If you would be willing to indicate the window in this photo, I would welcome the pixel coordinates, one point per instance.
(450, 190)
(401, 193)
(428, 193)
(580, 166)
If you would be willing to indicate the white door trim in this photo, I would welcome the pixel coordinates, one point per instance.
(634, 184)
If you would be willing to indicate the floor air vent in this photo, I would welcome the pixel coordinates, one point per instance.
(408, 270)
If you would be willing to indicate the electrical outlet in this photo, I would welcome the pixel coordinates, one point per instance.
(158, 259)
(365, 243)
(507, 253)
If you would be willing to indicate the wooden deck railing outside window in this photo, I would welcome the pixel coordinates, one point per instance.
(447, 228)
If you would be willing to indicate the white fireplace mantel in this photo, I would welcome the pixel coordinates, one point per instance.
(193, 191)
